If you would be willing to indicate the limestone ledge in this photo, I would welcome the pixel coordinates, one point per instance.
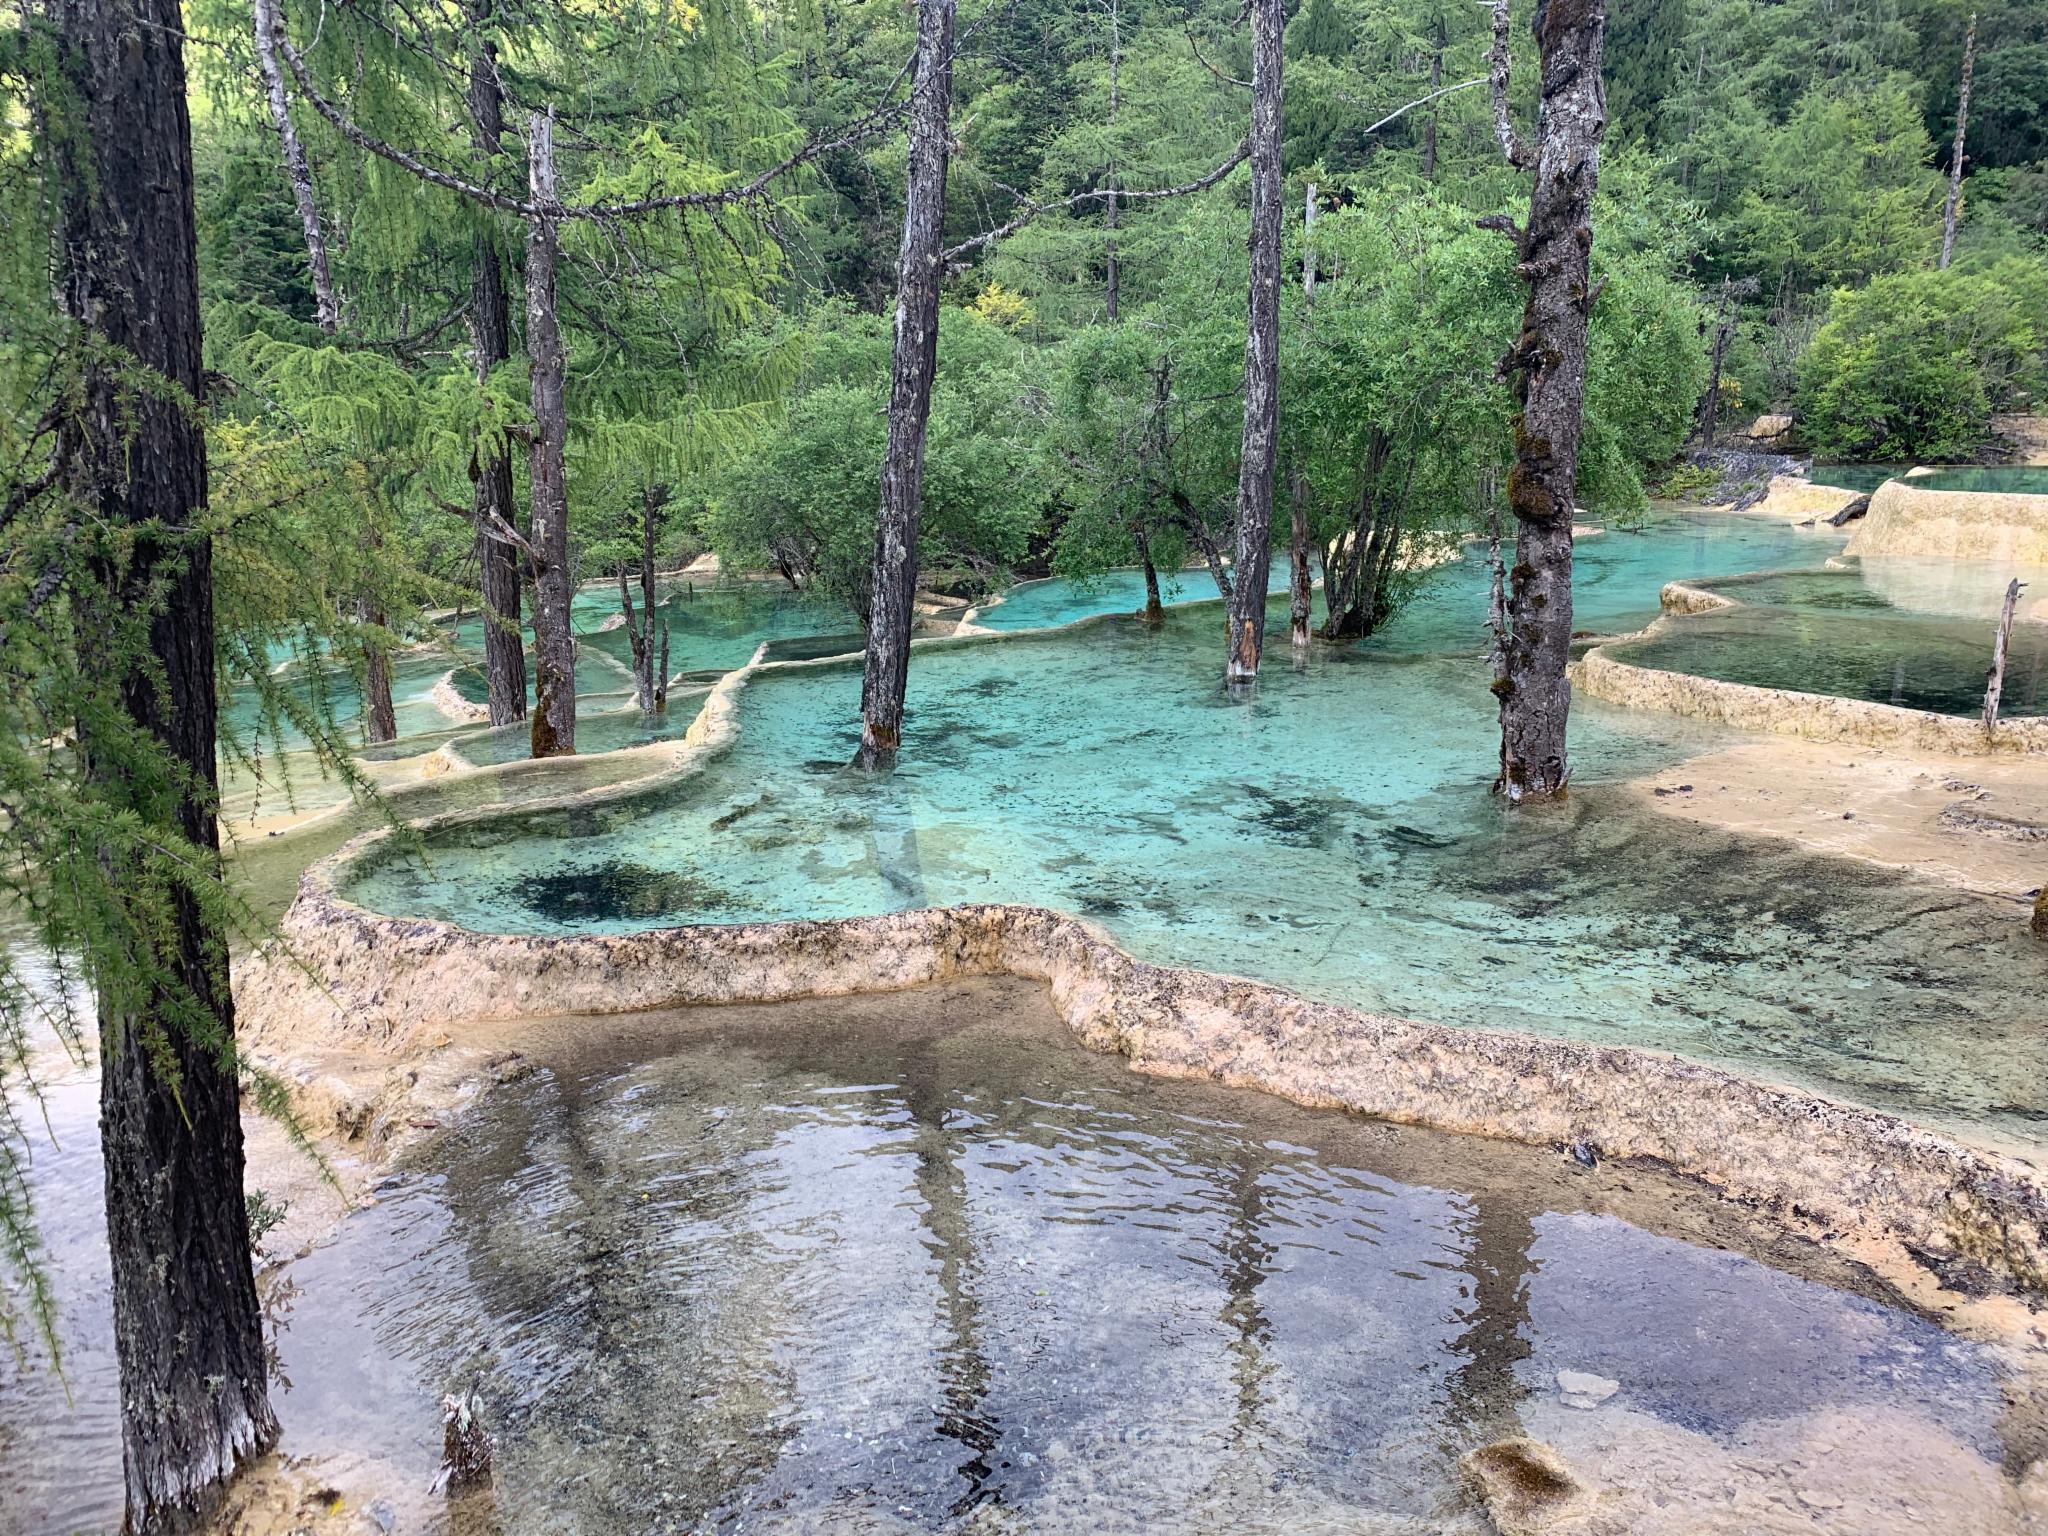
(449, 700)
(1797, 499)
(346, 978)
(1814, 716)
(1957, 525)
(1684, 597)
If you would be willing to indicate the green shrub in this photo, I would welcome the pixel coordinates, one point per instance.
(1913, 365)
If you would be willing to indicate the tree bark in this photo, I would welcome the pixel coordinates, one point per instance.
(1436, 80)
(380, 715)
(1955, 160)
(1154, 611)
(913, 365)
(1300, 583)
(491, 331)
(647, 628)
(1112, 278)
(1994, 680)
(1261, 357)
(1548, 365)
(1724, 333)
(187, 1332)
(270, 27)
(554, 646)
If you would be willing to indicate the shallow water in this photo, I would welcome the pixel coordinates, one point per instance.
(1833, 632)
(1334, 835)
(919, 1263)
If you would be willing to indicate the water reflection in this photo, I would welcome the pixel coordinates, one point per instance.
(918, 1264)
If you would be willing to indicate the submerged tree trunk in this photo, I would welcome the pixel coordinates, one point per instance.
(1154, 611)
(491, 330)
(913, 364)
(647, 629)
(554, 646)
(1548, 363)
(269, 27)
(1300, 581)
(1955, 160)
(187, 1333)
(1261, 358)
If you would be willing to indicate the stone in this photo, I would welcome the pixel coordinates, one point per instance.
(1582, 1389)
(1525, 1487)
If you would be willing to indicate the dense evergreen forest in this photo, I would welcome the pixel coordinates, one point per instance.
(497, 299)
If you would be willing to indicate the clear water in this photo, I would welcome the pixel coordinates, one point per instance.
(2012, 479)
(930, 1267)
(1333, 835)
(1832, 632)
(1063, 600)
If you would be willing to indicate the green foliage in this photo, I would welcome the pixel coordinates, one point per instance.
(804, 501)
(1912, 366)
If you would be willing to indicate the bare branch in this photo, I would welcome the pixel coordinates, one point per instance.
(1200, 58)
(1420, 101)
(1497, 80)
(1100, 194)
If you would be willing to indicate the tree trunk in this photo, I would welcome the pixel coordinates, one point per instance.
(914, 362)
(554, 646)
(1154, 611)
(187, 1333)
(1112, 278)
(1994, 680)
(380, 715)
(1301, 582)
(1436, 80)
(647, 629)
(1548, 362)
(1261, 357)
(1955, 160)
(269, 28)
(491, 330)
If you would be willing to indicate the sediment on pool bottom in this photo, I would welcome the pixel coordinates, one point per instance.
(355, 977)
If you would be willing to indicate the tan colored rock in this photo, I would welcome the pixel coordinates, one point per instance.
(1769, 429)
(2002, 527)
(1797, 499)
(1526, 1487)
(2026, 436)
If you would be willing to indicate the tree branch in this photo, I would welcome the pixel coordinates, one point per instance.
(1100, 194)
(1242, 85)
(1420, 101)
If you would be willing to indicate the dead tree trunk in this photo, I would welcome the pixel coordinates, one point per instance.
(1955, 159)
(187, 1332)
(1548, 365)
(885, 675)
(1112, 277)
(490, 325)
(554, 645)
(1261, 358)
(647, 629)
(1300, 583)
(1994, 681)
(1724, 333)
(380, 715)
(1436, 81)
(269, 27)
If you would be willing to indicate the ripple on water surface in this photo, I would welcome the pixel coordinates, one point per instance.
(919, 1263)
